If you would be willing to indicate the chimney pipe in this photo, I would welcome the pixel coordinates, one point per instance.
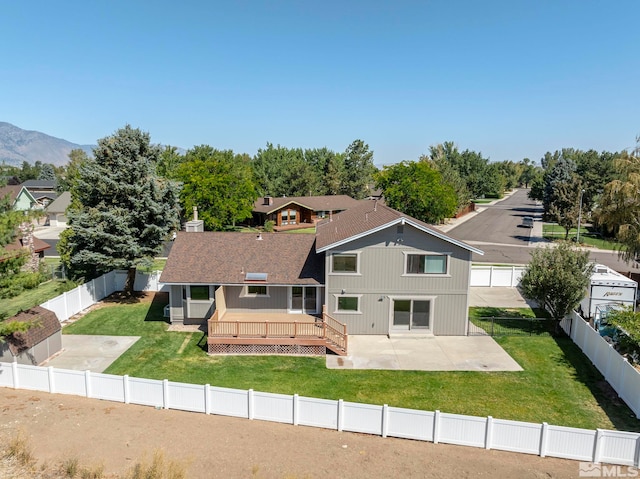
(195, 213)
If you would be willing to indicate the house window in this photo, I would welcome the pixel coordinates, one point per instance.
(344, 263)
(200, 292)
(292, 217)
(426, 264)
(322, 214)
(256, 290)
(285, 217)
(349, 304)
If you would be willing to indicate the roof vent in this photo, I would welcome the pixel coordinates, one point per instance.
(259, 237)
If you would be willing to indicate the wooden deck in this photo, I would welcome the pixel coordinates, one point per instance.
(267, 333)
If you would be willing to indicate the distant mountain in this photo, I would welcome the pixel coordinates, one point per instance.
(18, 145)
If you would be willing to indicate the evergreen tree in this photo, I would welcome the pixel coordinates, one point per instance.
(121, 212)
(47, 172)
(358, 170)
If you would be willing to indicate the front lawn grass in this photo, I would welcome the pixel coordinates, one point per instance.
(588, 236)
(558, 385)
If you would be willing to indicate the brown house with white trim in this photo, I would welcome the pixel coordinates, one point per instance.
(299, 211)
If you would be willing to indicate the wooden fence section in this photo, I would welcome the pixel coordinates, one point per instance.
(613, 447)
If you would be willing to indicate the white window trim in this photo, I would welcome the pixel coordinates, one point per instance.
(344, 273)
(246, 294)
(446, 274)
(339, 311)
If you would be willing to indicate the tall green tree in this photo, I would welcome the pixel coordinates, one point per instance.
(358, 170)
(47, 172)
(565, 208)
(438, 157)
(562, 173)
(417, 189)
(168, 163)
(219, 183)
(619, 209)
(69, 174)
(557, 278)
(121, 213)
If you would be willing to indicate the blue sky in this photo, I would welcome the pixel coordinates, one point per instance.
(511, 79)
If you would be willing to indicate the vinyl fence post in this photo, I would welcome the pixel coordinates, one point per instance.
(14, 371)
(250, 399)
(207, 399)
(385, 420)
(296, 406)
(488, 436)
(543, 439)
(436, 426)
(340, 414)
(52, 384)
(165, 393)
(597, 443)
(87, 383)
(125, 389)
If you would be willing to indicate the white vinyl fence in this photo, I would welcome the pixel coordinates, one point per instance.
(622, 376)
(85, 295)
(612, 447)
(496, 276)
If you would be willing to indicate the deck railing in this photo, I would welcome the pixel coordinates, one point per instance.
(328, 329)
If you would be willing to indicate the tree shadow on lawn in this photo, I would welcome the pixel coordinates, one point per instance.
(615, 408)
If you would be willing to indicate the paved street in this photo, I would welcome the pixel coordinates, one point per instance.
(496, 231)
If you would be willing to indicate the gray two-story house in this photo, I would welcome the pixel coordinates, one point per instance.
(386, 272)
(369, 269)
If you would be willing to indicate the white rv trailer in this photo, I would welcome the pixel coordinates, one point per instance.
(607, 287)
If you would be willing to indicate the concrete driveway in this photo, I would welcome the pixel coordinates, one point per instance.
(499, 298)
(87, 352)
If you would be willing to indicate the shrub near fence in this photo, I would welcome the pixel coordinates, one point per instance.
(612, 447)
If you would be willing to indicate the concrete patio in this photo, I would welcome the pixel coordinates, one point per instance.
(424, 353)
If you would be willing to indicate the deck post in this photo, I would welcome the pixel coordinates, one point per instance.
(266, 329)
(295, 329)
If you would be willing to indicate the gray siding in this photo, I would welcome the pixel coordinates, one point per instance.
(176, 308)
(276, 301)
(36, 354)
(381, 276)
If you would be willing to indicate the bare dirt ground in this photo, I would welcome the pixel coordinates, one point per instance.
(60, 427)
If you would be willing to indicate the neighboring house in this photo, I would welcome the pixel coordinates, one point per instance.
(36, 345)
(372, 268)
(21, 199)
(44, 191)
(57, 210)
(28, 242)
(299, 211)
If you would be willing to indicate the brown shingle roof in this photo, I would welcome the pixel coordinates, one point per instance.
(366, 218)
(12, 191)
(314, 203)
(46, 325)
(226, 258)
(38, 244)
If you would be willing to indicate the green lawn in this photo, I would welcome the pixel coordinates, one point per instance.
(311, 230)
(588, 236)
(483, 201)
(33, 297)
(558, 384)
